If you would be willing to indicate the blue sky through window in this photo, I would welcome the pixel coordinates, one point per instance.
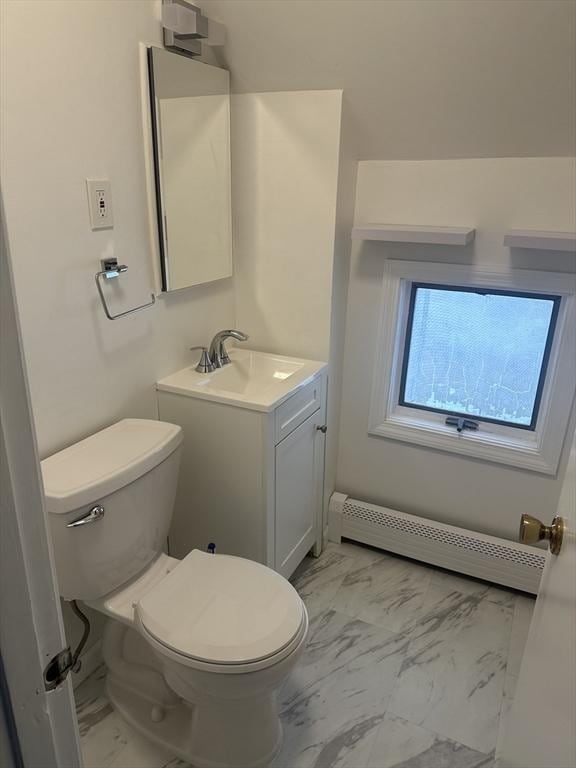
(477, 354)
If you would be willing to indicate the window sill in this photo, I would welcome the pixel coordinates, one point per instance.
(522, 451)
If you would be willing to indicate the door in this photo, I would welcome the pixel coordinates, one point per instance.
(41, 725)
(540, 731)
(299, 484)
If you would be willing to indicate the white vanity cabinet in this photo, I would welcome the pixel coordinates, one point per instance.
(251, 480)
(298, 486)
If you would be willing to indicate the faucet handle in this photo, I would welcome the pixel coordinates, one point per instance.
(204, 365)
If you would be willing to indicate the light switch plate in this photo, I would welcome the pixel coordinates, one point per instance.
(100, 203)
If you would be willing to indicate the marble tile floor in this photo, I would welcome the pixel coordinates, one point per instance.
(407, 666)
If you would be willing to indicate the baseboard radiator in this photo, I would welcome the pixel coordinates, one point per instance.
(457, 549)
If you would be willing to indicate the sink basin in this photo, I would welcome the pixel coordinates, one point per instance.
(249, 373)
(256, 380)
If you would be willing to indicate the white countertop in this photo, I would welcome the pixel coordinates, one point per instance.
(259, 381)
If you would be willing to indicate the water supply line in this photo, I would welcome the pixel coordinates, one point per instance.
(76, 662)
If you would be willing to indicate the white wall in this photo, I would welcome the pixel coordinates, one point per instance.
(285, 152)
(492, 195)
(294, 172)
(424, 78)
(70, 109)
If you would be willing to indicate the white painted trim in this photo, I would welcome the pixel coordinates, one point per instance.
(335, 512)
(538, 451)
(544, 241)
(413, 233)
(91, 660)
(32, 629)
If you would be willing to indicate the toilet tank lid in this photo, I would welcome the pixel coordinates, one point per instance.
(105, 462)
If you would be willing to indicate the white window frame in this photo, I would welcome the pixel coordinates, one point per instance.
(538, 450)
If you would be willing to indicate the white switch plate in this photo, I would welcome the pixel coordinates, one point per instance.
(100, 203)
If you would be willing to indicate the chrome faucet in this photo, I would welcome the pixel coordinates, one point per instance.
(217, 351)
(216, 356)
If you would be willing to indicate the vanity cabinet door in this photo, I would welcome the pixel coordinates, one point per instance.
(299, 487)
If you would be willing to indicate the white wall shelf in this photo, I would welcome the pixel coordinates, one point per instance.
(546, 241)
(412, 233)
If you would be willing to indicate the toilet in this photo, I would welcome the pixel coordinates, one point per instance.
(195, 649)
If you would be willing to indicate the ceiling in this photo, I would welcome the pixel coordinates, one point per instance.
(422, 78)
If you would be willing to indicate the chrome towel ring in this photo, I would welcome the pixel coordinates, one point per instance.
(110, 270)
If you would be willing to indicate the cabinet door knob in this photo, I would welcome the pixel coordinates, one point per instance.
(322, 429)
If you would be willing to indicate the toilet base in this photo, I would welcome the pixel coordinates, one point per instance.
(212, 718)
(172, 727)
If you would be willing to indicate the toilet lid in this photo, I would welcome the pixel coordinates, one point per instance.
(222, 609)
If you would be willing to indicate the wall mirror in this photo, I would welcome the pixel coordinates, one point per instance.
(190, 103)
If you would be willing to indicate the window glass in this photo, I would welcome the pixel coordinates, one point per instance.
(477, 353)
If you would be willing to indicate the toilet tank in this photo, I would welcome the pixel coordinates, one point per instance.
(131, 470)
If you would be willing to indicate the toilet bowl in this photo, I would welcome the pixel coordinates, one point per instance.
(195, 648)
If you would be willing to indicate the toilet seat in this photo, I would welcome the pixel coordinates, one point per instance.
(222, 613)
(227, 669)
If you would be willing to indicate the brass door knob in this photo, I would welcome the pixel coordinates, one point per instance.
(533, 530)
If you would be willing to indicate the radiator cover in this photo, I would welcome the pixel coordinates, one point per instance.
(447, 546)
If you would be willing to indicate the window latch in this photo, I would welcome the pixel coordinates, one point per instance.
(461, 424)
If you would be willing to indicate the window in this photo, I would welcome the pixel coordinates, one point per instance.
(482, 354)
(492, 349)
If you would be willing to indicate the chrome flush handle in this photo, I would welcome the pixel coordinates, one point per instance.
(95, 514)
